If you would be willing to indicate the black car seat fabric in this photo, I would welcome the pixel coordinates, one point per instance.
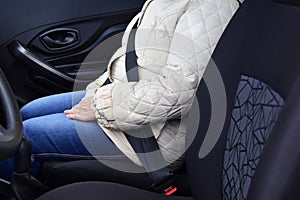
(258, 58)
(277, 175)
(104, 191)
(59, 173)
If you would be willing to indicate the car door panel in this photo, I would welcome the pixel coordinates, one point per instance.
(75, 31)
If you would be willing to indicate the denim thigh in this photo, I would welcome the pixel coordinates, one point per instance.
(53, 136)
(57, 103)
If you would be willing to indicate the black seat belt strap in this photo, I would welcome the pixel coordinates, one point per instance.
(142, 140)
(131, 58)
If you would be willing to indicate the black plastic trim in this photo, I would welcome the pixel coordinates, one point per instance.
(11, 132)
(31, 60)
(289, 2)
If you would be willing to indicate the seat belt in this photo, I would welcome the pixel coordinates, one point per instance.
(142, 140)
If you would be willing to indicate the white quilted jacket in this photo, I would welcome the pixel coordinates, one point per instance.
(174, 42)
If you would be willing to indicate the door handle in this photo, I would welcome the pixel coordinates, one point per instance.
(60, 39)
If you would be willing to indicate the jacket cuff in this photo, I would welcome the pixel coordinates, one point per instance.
(90, 89)
(103, 106)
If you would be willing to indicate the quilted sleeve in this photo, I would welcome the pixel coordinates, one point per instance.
(96, 83)
(169, 93)
(125, 106)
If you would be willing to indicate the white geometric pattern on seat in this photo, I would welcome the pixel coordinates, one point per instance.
(255, 112)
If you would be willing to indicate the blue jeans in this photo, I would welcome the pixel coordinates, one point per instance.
(53, 136)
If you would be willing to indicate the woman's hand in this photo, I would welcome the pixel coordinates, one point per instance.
(82, 111)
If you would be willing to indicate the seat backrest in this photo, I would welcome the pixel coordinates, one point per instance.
(258, 58)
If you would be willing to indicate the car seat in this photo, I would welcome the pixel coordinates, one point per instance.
(256, 155)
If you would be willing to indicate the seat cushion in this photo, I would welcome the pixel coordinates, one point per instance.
(104, 191)
(59, 173)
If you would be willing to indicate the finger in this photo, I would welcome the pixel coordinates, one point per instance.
(70, 116)
(75, 116)
(69, 112)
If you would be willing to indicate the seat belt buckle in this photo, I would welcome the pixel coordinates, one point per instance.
(170, 190)
(167, 188)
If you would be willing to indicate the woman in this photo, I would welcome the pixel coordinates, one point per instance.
(174, 42)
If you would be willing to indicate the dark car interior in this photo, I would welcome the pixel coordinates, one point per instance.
(43, 46)
(258, 58)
